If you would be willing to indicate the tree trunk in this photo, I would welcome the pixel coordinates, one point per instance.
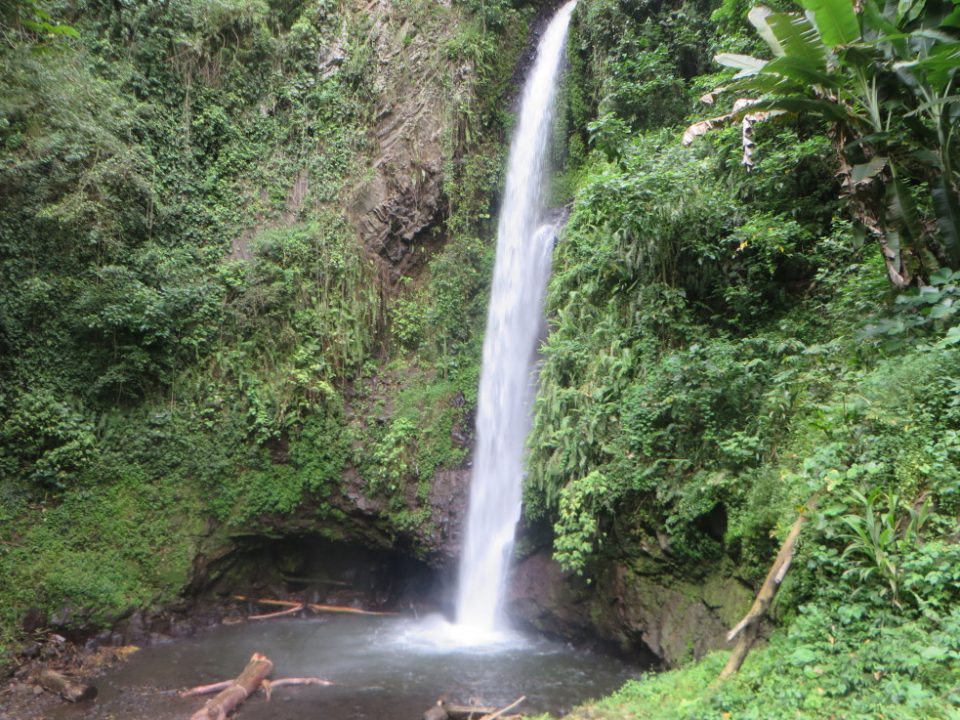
(747, 628)
(239, 690)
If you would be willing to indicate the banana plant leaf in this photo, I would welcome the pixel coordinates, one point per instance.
(835, 20)
(947, 206)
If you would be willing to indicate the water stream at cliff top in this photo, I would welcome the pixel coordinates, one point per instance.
(514, 320)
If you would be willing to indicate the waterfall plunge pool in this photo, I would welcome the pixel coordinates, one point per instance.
(385, 668)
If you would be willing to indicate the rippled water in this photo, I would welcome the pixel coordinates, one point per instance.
(384, 668)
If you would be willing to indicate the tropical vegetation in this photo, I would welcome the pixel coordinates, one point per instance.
(748, 324)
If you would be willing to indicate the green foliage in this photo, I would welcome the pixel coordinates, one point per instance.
(115, 541)
(883, 76)
(392, 457)
(877, 541)
(722, 351)
(631, 63)
(581, 501)
(31, 19)
(830, 665)
(660, 249)
(46, 442)
(185, 305)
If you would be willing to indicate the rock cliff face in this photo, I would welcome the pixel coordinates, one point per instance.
(399, 206)
(437, 541)
(636, 609)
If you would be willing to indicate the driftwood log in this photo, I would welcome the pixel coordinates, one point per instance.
(68, 689)
(502, 711)
(343, 609)
(448, 711)
(256, 671)
(747, 629)
(205, 689)
(267, 601)
(280, 613)
(293, 606)
(267, 685)
(270, 685)
(464, 712)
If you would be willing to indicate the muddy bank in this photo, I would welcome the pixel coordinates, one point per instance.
(85, 657)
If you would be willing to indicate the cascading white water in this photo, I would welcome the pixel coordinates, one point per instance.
(509, 350)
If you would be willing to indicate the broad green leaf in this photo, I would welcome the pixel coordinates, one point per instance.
(763, 83)
(947, 208)
(66, 30)
(947, 100)
(798, 104)
(903, 212)
(880, 22)
(862, 173)
(939, 66)
(798, 37)
(803, 656)
(951, 338)
(934, 652)
(740, 62)
(758, 18)
(835, 20)
(800, 70)
(941, 276)
(938, 312)
(907, 10)
(953, 19)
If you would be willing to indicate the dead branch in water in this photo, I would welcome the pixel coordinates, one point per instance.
(267, 685)
(280, 613)
(448, 711)
(345, 609)
(205, 689)
(237, 690)
(294, 606)
(267, 601)
(464, 712)
(502, 711)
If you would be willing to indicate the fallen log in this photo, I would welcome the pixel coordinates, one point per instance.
(205, 689)
(464, 712)
(69, 690)
(502, 711)
(312, 606)
(267, 685)
(448, 711)
(344, 609)
(747, 628)
(267, 601)
(256, 671)
(280, 613)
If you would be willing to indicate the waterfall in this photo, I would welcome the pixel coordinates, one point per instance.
(514, 320)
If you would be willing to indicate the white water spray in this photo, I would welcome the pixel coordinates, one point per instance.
(514, 320)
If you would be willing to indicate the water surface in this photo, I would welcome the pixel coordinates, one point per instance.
(384, 668)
